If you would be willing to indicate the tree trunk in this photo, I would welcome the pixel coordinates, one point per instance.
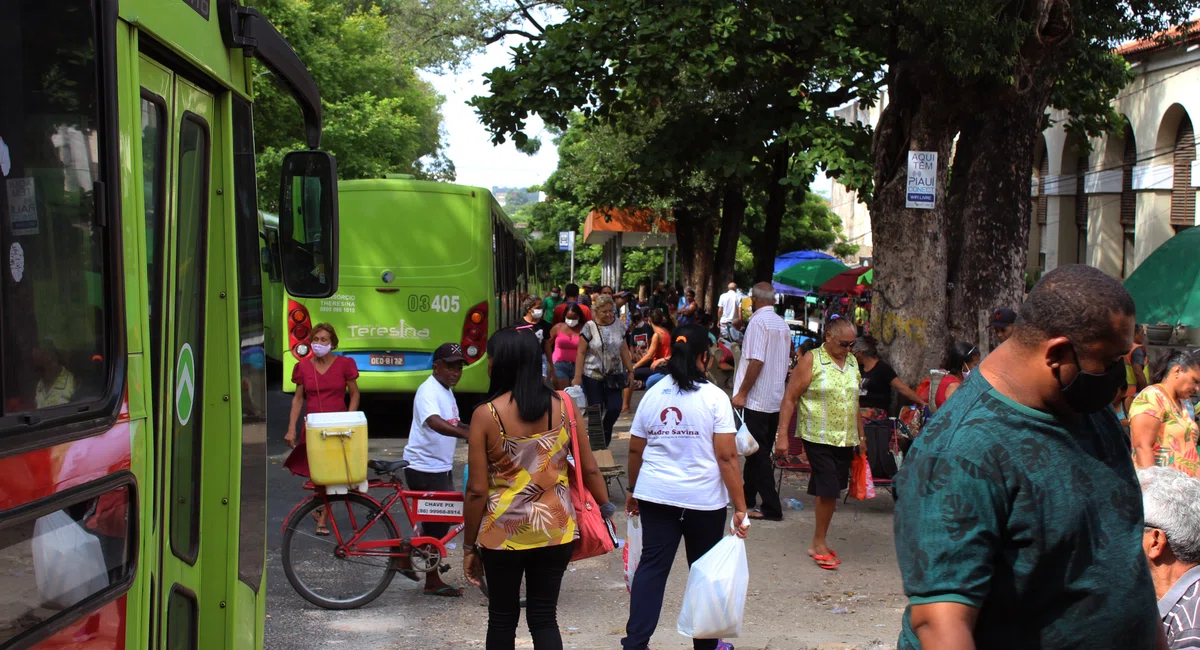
(909, 304)
(766, 243)
(989, 206)
(733, 215)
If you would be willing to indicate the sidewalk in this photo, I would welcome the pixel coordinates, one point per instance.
(792, 603)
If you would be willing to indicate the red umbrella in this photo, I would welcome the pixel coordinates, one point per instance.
(846, 282)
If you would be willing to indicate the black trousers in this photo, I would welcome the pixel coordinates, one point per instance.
(543, 570)
(758, 476)
(609, 399)
(433, 482)
(662, 528)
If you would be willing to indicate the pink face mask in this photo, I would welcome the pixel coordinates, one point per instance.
(321, 349)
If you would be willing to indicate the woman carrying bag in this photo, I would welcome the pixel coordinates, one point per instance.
(604, 367)
(520, 522)
(683, 471)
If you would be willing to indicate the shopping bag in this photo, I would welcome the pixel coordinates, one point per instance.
(68, 564)
(631, 555)
(870, 482)
(596, 534)
(714, 601)
(746, 444)
(858, 477)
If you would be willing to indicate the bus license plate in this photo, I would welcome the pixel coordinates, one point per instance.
(387, 360)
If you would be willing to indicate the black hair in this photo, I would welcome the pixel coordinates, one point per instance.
(1076, 301)
(688, 342)
(1174, 358)
(517, 369)
(867, 346)
(571, 290)
(959, 354)
(658, 317)
(573, 307)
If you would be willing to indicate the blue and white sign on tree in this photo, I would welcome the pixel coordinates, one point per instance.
(922, 180)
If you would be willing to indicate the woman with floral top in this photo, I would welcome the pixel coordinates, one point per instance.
(519, 521)
(1163, 432)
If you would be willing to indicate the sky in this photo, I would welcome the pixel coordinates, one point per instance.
(468, 144)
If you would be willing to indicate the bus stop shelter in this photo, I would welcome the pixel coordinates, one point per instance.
(617, 228)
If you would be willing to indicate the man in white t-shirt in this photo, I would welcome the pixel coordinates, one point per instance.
(729, 305)
(431, 440)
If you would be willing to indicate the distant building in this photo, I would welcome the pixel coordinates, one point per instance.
(1113, 206)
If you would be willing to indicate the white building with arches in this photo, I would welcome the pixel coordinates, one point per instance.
(1112, 206)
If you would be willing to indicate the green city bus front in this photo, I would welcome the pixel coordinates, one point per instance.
(415, 272)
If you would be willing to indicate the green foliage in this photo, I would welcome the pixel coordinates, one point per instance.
(379, 116)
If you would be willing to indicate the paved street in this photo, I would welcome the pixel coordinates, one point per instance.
(792, 604)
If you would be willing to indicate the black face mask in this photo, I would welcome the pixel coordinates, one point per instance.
(1090, 392)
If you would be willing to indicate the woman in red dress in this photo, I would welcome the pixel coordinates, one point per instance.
(322, 382)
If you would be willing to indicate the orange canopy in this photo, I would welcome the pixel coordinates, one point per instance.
(638, 227)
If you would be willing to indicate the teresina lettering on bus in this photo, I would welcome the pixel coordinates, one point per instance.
(401, 331)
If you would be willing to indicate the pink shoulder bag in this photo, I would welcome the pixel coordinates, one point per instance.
(596, 534)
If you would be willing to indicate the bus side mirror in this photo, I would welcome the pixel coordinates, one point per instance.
(308, 224)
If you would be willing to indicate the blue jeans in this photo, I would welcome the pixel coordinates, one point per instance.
(662, 528)
(654, 379)
(564, 370)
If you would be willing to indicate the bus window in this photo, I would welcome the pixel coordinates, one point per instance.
(190, 268)
(53, 300)
(66, 555)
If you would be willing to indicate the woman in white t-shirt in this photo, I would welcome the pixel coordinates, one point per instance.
(683, 470)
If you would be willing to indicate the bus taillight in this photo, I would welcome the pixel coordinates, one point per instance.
(299, 328)
(474, 333)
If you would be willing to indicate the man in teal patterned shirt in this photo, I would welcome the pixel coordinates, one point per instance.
(1019, 520)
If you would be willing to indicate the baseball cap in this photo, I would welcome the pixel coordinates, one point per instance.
(1003, 317)
(449, 352)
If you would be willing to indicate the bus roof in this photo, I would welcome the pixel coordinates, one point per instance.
(424, 187)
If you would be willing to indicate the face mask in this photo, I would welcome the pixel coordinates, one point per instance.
(572, 322)
(966, 373)
(321, 349)
(555, 295)
(1089, 392)
(537, 313)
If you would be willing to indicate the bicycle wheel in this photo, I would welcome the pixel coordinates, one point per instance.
(316, 566)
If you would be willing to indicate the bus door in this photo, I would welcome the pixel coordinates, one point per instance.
(181, 157)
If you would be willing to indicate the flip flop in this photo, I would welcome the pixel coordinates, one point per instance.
(447, 591)
(832, 557)
(322, 531)
(761, 516)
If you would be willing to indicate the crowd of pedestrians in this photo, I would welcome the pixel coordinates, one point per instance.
(1051, 500)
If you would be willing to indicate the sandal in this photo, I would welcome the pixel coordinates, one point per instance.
(447, 591)
(757, 515)
(827, 562)
(322, 531)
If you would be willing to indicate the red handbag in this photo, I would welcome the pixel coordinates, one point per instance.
(596, 534)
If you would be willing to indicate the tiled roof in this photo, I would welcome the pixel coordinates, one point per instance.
(1185, 33)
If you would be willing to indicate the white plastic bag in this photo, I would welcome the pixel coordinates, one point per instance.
(746, 444)
(576, 393)
(631, 555)
(68, 564)
(714, 602)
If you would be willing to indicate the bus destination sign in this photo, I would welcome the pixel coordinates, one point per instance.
(201, 6)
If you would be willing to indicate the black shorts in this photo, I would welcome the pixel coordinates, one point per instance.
(830, 469)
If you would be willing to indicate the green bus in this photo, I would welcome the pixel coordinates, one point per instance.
(422, 263)
(132, 391)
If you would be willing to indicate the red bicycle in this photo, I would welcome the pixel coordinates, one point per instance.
(357, 560)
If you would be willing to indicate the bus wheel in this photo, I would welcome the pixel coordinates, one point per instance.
(321, 570)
